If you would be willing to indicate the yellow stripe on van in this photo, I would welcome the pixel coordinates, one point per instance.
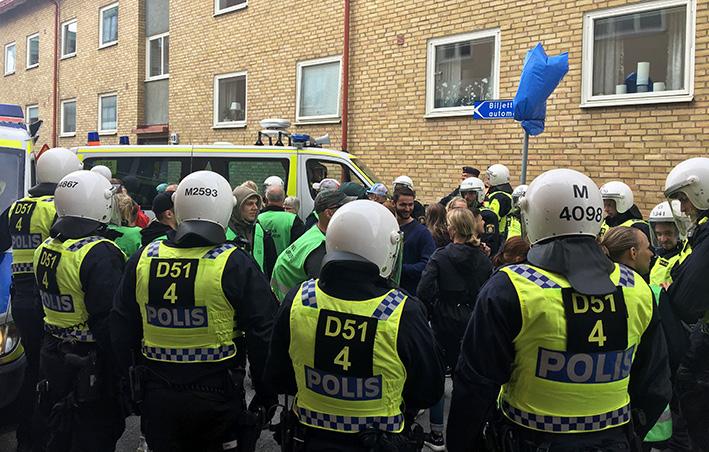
(13, 144)
(292, 176)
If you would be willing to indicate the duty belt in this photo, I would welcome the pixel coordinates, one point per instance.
(558, 424)
(76, 333)
(22, 268)
(350, 423)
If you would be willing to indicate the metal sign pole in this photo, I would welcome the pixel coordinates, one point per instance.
(525, 151)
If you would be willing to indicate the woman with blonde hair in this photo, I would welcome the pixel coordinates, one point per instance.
(125, 214)
(449, 287)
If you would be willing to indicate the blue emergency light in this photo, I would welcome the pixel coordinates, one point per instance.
(300, 138)
(11, 111)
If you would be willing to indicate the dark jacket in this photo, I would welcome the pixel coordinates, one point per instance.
(449, 287)
(446, 199)
(488, 352)
(154, 230)
(246, 288)
(690, 285)
(415, 344)
(418, 247)
(631, 214)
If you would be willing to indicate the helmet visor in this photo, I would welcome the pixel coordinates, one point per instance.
(395, 276)
(685, 222)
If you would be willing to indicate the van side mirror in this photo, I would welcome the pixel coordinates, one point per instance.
(34, 128)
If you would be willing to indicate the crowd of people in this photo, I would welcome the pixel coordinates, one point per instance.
(565, 319)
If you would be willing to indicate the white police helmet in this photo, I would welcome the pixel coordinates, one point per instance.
(55, 163)
(84, 200)
(404, 180)
(518, 193)
(561, 202)
(473, 184)
(690, 177)
(364, 230)
(103, 170)
(498, 174)
(203, 205)
(620, 193)
(667, 212)
(272, 180)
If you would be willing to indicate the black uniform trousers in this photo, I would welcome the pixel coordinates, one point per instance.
(76, 425)
(28, 316)
(191, 419)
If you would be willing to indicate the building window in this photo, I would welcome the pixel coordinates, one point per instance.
(158, 56)
(33, 51)
(68, 118)
(10, 54)
(108, 113)
(69, 39)
(639, 54)
(108, 25)
(225, 6)
(230, 100)
(32, 114)
(318, 91)
(461, 70)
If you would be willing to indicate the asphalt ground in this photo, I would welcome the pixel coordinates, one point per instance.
(131, 437)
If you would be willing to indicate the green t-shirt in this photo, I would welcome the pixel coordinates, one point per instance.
(129, 242)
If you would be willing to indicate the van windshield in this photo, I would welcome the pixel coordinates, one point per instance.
(12, 171)
(366, 170)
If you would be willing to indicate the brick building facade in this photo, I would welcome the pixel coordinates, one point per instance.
(414, 68)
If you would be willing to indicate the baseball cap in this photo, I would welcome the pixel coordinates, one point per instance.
(162, 202)
(326, 185)
(354, 189)
(472, 171)
(330, 199)
(378, 189)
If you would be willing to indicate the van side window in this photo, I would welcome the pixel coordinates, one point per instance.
(238, 170)
(141, 176)
(318, 169)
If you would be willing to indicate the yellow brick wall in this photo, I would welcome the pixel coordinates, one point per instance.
(638, 144)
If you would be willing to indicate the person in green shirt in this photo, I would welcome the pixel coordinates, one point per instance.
(245, 230)
(125, 233)
(285, 227)
(302, 259)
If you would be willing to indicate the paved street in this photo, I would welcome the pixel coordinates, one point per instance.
(129, 440)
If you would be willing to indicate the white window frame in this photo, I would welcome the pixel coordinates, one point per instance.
(62, 133)
(101, 44)
(148, 78)
(321, 119)
(431, 111)
(215, 106)
(27, 59)
(100, 111)
(218, 11)
(27, 112)
(684, 95)
(14, 69)
(64, 27)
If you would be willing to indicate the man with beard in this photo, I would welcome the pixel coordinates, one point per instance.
(418, 242)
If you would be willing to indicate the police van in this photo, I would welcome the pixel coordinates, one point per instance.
(298, 159)
(16, 140)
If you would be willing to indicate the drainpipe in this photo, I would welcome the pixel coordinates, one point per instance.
(55, 80)
(345, 74)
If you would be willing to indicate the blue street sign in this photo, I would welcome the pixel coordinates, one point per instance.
(493, 109)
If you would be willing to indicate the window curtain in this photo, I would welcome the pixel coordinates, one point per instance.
(319, 90)
(608, 69)
(228, 94)
(110, 25)
(675, 50)
(449, 76)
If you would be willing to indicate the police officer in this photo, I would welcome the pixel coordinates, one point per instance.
(666, 240)
(77, 271)
(302, 260)
(179, 304)
(472, 190)
(514, 226)
(688, 182)
(24, 226)
(571, 337)
(499, 194)
(620, 210)
(353, 351)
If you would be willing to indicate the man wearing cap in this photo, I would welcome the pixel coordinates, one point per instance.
(378, 193)
(164, 223)
(301, 260)
(468, 171)
(324, 185)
